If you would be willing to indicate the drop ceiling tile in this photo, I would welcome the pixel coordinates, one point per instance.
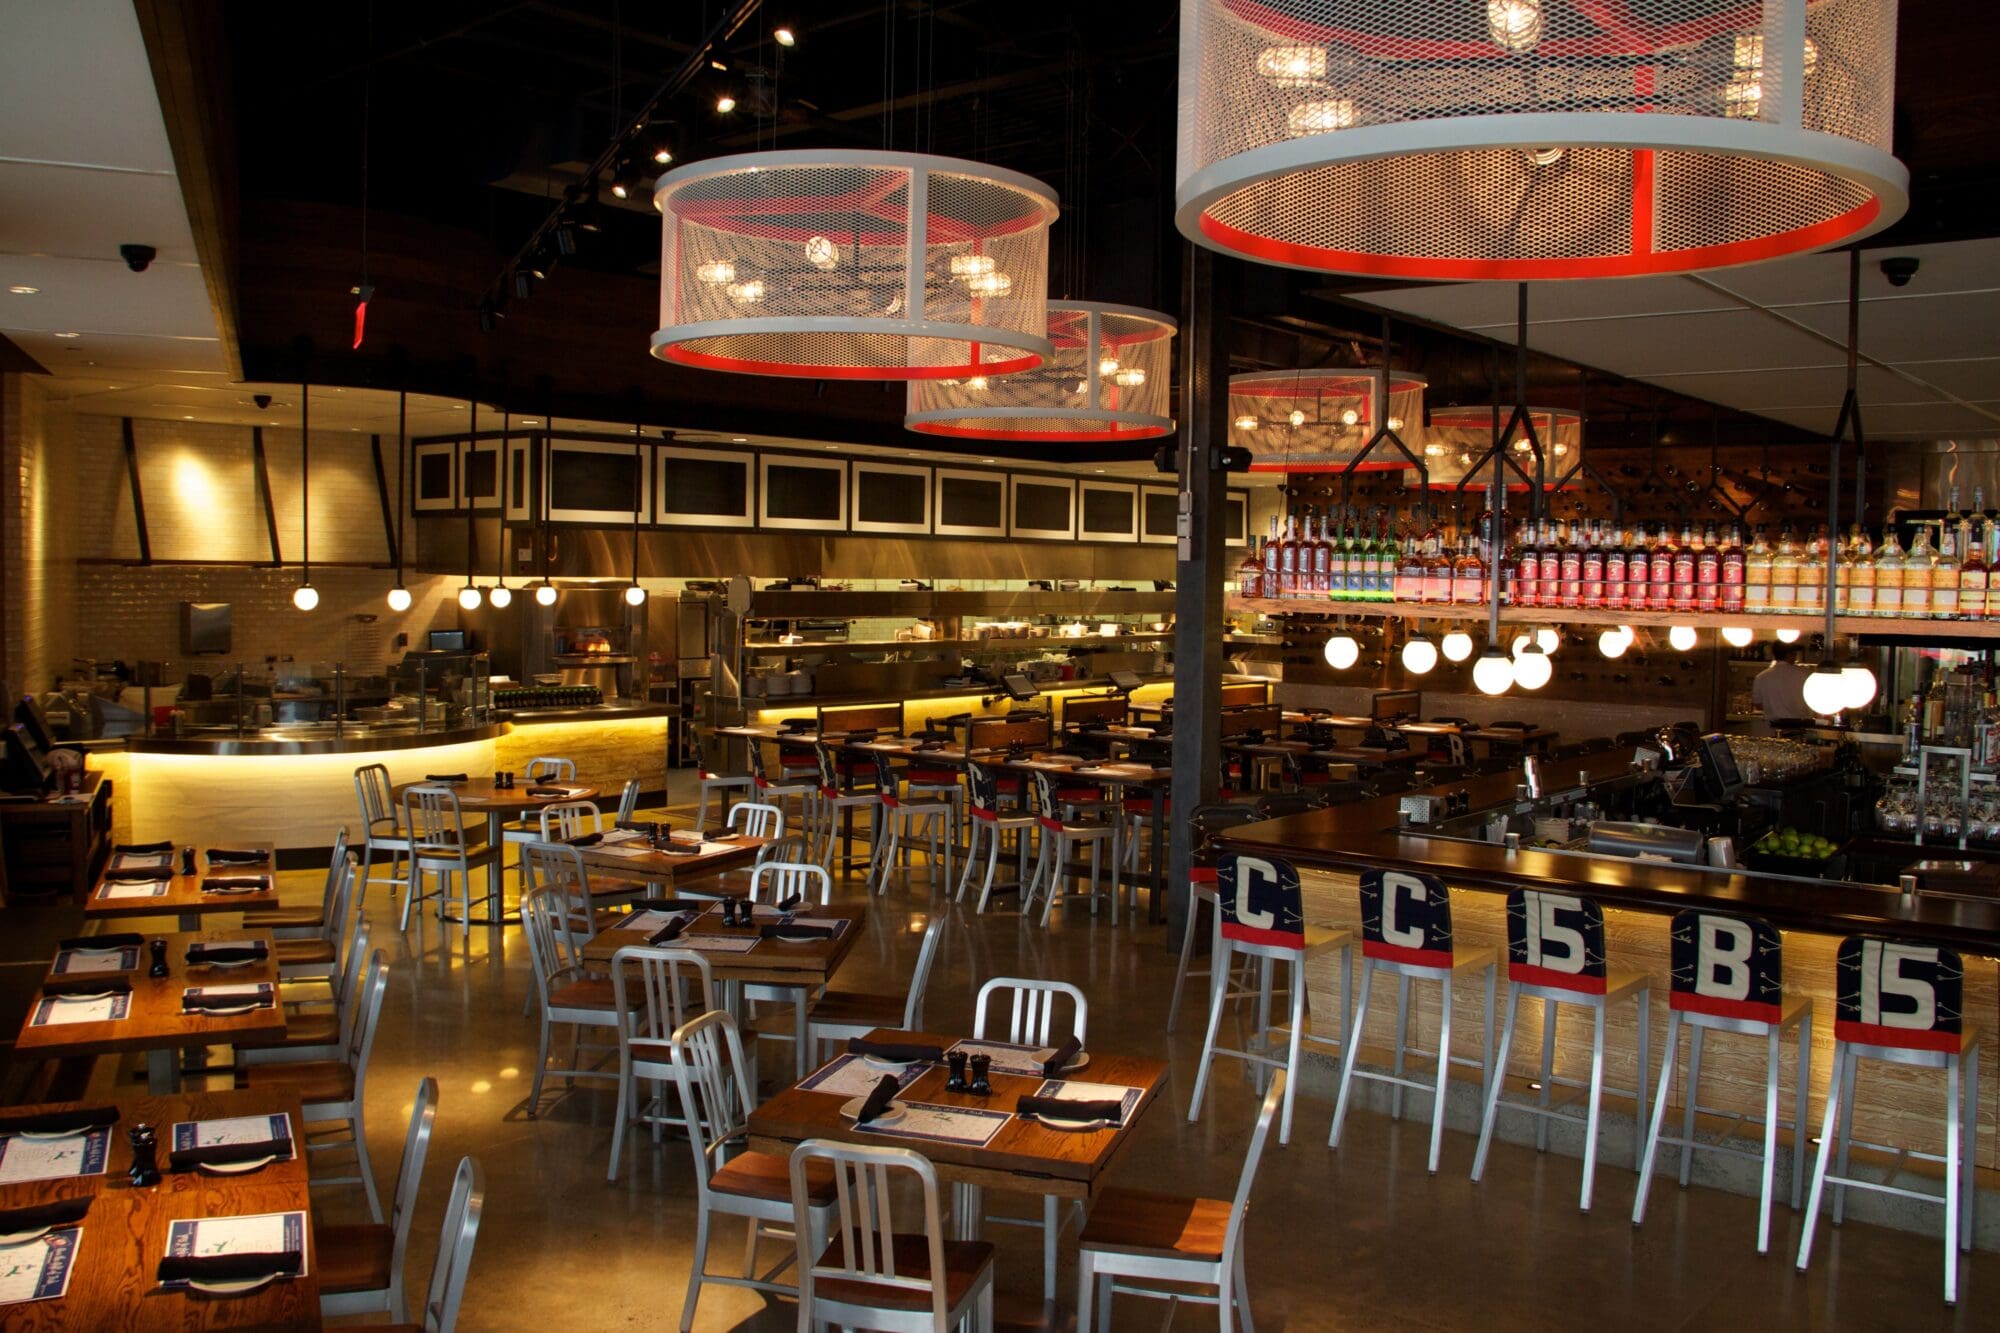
(123, 354)
(75, 86)
(1670, 344)
(94, 295)
(80, 214)
(1972, 377)
(1919, 328)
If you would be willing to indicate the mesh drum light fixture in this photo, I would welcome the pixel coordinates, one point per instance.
(1108, 378)
(1460, 140)
(1460, 440)
(1321, 420)
(853, 265)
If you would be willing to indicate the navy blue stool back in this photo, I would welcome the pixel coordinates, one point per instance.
(1405, 918)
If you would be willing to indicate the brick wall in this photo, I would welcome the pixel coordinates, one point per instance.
(37, 535)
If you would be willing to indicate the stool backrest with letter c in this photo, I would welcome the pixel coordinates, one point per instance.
(829, 771)
(1555, 939)
(1261, 901)
(983, 790)
(1405, 918)
(1726, 966)
(1898, 993)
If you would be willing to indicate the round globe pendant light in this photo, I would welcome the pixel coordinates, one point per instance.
(1342, 651)
(1826, 689)
(1107, 378)
(1533, 669)
(1419, 655)
(1493, 673)
(1456, 646)
(399, 595)
(1788, 636)
(1737, 636)
(1614, 641)
(305, 597)
(1681, 638)
(1859, 683)
(1321, 420)
(1458, 438)
(853, 265)
(1543, 640)
(1458, 140)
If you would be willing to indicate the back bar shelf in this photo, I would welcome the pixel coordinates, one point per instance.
(1923, 627)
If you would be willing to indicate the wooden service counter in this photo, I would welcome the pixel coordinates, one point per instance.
(1333, 846)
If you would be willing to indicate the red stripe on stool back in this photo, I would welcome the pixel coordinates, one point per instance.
(1725, 965)
(1405, 917)
(1555, 939)
(1898, 993)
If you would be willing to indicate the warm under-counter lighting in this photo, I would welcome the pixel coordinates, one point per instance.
(22, 289)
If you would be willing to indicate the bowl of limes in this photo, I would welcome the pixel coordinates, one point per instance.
(1790, 851)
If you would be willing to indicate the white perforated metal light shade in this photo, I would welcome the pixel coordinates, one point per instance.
(1457, 439)
(1461, 140)
(853, 265)
(1109, 377)
(1320, 420)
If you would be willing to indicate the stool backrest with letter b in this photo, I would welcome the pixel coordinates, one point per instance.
(1261, 901)
(1896, 993)
(1726, 966)
(1555, 939)
(1405, 918)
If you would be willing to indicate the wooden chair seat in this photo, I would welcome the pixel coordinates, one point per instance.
(314, 1080)
(284, 918)
(617, 888)
(313, 1029)
(965, 1261)
(299, 953)
(849, 1008)
(1142, 1222)
(767, 1176)
(584, 993)
(353, 1258)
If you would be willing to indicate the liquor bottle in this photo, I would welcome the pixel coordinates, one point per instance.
(1570, 564)
(1707, 571)
(1889, 572)
(1638, 570)
(1527, 581)
(1270, 584)
(1250, 572)
(1993, 553)
(1917, 575)
(1593, 567)
(1972, 575)
(1683, 570)
(1386, 560)
(1410, 572)
(1436, 566)
(1945, 569)
(1288, 558)
(1660, 591)
(1316, 561)
(1812, 576)
(1785, 574)
(1364, 566)
(1731, 566)
(1757, 575)
(1548, 563)
(1859, 574)
(1468, 574)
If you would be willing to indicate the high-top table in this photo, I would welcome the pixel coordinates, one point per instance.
(180, 896)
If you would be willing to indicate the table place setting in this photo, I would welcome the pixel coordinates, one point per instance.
(218, 857)
(1028, 1061)
(117, 884)
(235, 1145)
(226, 953)
(56, 1153)
(87, 986)
(229, 1256)
(232, 884)
(97, 954)
(37, 1265)
(1061, 1104)
(966, 1126)
(224, 1000)
(854, 1075)
(62, 1010)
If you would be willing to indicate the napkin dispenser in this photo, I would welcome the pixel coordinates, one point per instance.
(1420, 809)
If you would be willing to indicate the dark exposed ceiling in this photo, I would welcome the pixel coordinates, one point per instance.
(481, 115)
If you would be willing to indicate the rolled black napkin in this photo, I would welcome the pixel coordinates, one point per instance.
(674, 904)
(230, 1267)
(130, 939)
(445, 777)
(141, 875)
(1061, 1109)
(782, 930)
(253, 952)
(1053, 1066)
(223, 1154)
(62, 1212)
(548, 791)
(787, 904)
(878, 1100)
(140, 848)
(586, 840)
(87, 984)
(236, 856)
(57, 1122)
(234, 884)
(894, 1050)
(194, 1004)
(648, 827)
(667, 932)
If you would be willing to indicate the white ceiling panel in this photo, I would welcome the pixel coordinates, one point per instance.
(1679, 344)
(1976, 378)
(101, 296)
(76, 86)
(78, 214)
(99, 353)
(1921, 328)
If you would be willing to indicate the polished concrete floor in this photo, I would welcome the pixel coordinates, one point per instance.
(1361, 1237)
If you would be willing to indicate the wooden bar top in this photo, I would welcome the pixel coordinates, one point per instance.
(1361, 835)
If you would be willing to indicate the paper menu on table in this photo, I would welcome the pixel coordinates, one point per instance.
(715, 943)
(57, 1011)
(153, 888)
(230, 1129)
(969, 1126)
(619, 835)
(71, 962)
(39, 1269)
(627, 849)
(260, 1233)
(81, 1154)
(1009, 1057)
(1070, 1091)
(249, 992)
(852, 1076)
(141, 860)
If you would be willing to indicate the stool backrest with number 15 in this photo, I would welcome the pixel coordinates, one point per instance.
(1262, 903)
(1405, 918)
(1556, 940)
(1729, 967)
(1899, 994)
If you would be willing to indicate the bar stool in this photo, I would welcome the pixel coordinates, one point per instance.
(1556, 954)
(831, 805)
(1903, 1004)
(789, 787)
(926, 782)
(1059, 835)
(710, 780)
(1262, 916)
(1208, 820)
(1728, 976)
(382, 829)
(1406, 932)
(901, 819)
(989, 821)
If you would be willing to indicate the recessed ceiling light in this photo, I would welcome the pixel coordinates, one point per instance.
(739, 439)
(986, 460)
(725, 104)
(69, 334)
(187, 418)
(831, 447)
(531, 421)
(1097, 469)
(22, 289)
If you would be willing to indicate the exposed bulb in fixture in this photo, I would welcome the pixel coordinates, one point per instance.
(662, 155)
(822, 253)
(1433, 451)
(1859, 683)
(1681, 638)
(1350, 417)
(305, 597)
(725, 104)
(716, 271)
(1532, 670)
(399, 598)
(1493, 673)
(1543, 640)
(545, 594)
(1514, 25)
(990, 284)
(1826, 690)
(784, 37)
(1737, 636)
(1322, 116)
(1613, 642)
(1297, 418)
(1544, 157)
(502, 596)
(970, 266)
(746, 293)
(1395, 423)
(1246, 422)
(1457, 645)
(469, 598)
(1342, 652)
(1107, 366)
(635, 596)
(1292, 66)
(1419, 655)
(1130, 378)
(977, 382)
(1788, 636)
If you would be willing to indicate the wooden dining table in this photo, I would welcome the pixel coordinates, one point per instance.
(684, 872)
(1023, 1156)
(180, 896)
(153, 1020)
(480, 796)
(125, 1234)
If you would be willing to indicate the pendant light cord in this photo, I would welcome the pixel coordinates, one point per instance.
(402, 479)
(465, 477)
(305, 481)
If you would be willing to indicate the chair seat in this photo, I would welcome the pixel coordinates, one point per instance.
(584, 993)
(313, 1029)
(299, 953)
(767, 1176)
(284, 918)
(314, 1080)
(617, 888)
(1142, 1222)
(936, 777)
(965, 1261)
(355, 1258)
(852, 1008)
(1082, 796)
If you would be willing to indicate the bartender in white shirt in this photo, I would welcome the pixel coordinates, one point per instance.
(1780, 688)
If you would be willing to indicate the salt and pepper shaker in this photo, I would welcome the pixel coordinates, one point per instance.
(956, 1083)
(158, 948)
(145, 1153)
(982, 1068)
(187, 860)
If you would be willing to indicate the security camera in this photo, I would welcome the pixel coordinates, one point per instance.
(138, 258)
(1899, 270)
(263, 400)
